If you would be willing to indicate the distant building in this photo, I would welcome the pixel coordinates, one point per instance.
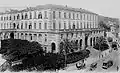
(50, 24)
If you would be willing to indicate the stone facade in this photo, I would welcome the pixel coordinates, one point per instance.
(50, 24)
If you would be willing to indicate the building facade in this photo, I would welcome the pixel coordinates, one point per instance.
(50, 24)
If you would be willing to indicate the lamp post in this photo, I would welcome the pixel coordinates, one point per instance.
(65, 57)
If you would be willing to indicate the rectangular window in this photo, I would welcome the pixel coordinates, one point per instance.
(64, 25)
(77, 25)
(84, 25)
(25, 25)
(45, 14)
(59, 25)
(1, 18)
(69, 25)
(90, 17)
(1, 26)
(59, 14)
(54, 15)
(84, 16)
(64, 14)
(30, 15)
(34, 25)
(54, 27)
(4, 18)
(81, 25)
(87, 17)
(39, 25)
(77, 16)
(73, 16)
(69, 15)
(21, 25)
(45, 25)
(90, 24)
(34, 15)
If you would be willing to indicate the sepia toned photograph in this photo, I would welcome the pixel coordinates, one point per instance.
(59, 36)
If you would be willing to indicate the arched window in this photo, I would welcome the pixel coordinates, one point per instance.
(40, 15)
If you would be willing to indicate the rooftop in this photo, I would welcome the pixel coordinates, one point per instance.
(48, 6)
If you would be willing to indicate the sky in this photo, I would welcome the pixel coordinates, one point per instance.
(109, 8)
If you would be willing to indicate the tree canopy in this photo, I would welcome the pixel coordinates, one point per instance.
(15, 49)
(103, 25)
(101, 44)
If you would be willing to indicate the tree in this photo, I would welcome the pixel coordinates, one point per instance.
(101, 44)
(68, 46)
(110, 39)
(16, 49)
(103, 25)
(114, 44)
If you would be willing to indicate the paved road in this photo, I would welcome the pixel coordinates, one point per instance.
(114, 55)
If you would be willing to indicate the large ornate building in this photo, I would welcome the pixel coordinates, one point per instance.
(50, 24)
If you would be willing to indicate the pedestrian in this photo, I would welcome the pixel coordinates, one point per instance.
(117, 68)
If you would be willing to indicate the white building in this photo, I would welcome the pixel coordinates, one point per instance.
(50, 24)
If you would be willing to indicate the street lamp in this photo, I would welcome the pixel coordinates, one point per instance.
(65, 57)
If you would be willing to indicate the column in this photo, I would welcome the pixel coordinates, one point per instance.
(88, 42)
(83, 41)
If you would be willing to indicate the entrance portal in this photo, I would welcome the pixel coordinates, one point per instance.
(12, 35)
(86, 41)
(94, 41)
(53, 47)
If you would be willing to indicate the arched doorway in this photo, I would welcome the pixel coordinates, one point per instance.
(80, 43)
(86, 41)
(53, 47)
(12, 35)
(94, 41)
(90, 41)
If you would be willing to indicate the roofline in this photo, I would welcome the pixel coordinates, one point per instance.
(49, 6)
